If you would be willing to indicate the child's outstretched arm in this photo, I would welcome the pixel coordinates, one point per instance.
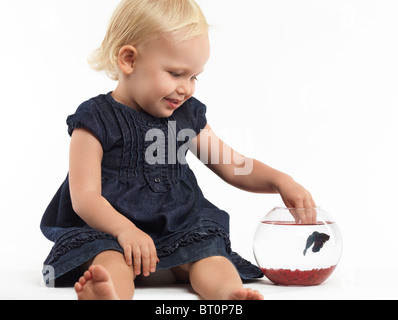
(249, 174)
(85, 189)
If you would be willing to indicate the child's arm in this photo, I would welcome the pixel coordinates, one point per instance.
(85, 189)
(248, 174)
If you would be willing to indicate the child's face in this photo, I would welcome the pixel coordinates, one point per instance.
(165, 73)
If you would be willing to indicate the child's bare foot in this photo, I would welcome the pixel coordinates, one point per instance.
(245, 294)
(96, 284)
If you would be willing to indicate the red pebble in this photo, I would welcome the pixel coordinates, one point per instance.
(298, 278)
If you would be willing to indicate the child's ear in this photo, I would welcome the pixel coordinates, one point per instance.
(127, 58)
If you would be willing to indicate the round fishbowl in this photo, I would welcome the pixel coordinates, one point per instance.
(297, 246)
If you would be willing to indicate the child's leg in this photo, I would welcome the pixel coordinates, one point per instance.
(108, 278)
(216, 278)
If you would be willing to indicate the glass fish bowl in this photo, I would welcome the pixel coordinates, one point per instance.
(299, 247)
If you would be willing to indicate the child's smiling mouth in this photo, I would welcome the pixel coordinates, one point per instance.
(173, 103)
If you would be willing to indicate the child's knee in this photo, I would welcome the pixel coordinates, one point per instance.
(113, 261)
(217, 260)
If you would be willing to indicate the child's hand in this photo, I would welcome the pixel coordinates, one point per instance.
(296, 196)
(139, 249)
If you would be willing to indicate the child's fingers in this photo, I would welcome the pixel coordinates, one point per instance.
(310, 211)
(145, 261)
(154, 260)
(127, 255)
(149, 260)
(137, 261)
(314, 211)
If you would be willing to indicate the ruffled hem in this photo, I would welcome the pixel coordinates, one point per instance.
(197, 235)
(76, 246)
(72, 240)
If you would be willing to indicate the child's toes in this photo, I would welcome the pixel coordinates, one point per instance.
(250, 294)
(78, 287)
(82, 281)
(88, 275)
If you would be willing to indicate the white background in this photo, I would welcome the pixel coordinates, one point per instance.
(308, 87)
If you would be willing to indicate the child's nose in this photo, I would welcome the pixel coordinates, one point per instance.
(184, 88)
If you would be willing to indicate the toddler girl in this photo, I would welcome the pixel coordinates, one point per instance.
(130, 204)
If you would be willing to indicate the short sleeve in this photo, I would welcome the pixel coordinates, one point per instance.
(197, 114)
(87, 116)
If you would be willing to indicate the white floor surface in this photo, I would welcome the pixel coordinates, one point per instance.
(345, 283)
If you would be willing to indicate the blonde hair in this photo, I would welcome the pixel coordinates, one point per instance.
(135, 21)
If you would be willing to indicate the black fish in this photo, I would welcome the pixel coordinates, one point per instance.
(319, 239)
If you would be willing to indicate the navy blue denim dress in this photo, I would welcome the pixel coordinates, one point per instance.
(145, 178)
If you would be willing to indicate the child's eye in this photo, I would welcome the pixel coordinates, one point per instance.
(175, 74)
